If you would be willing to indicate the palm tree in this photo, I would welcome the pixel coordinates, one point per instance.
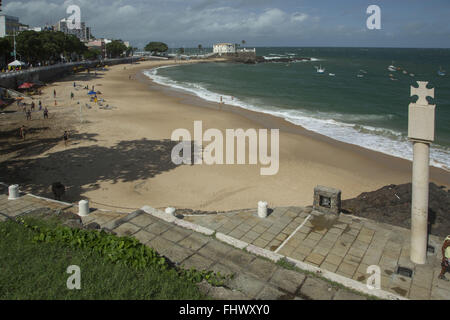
(243, 42)
(200, 47)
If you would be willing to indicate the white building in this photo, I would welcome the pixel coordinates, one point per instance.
(9, 25)
(224, 48)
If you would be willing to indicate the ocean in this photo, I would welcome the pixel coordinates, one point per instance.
(358, 103)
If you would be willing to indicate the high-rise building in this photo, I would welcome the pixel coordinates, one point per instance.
(83, 33)
(9, 25)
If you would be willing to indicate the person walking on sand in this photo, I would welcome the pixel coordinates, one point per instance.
(65, 137)
(40, 105)
(71, 95)
(445, 258)
(28, 114)
(22, 132)
(54, 93)
(45, 113)
(32, 106)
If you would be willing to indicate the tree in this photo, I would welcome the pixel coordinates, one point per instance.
(181, 51)
(115, 48)
(5, 51)
(243, 42)
(157, 47)
(200, 47)
(92, 54)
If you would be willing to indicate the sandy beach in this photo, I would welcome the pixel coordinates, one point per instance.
(121, 156)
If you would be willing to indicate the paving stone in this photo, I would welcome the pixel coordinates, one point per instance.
(250, 286)
(317, 290)
(198, 262)
(215, 250)
(160, 244)
(176, 253)
(126, 229)
(158, 228)
(194, 242)
(144, 236)
(237, 260)
(440, 294)
(328, 266)
(315, 258)
(270, 293)
(334, 259)
(143, 220)
(176, 234)
(220, 293)
(418, 293)
(287, 280)
(347, 295)
(261, 268)
(347, 269)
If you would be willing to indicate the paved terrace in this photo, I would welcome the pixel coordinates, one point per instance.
(243, 244)
(345, 245)
(254, 277)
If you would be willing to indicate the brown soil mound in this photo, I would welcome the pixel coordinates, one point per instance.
(392, 204)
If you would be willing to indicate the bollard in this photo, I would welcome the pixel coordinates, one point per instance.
(170, 211)
(83, 208)
(262, 209)
(13, 192)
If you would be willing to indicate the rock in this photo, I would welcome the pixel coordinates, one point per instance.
(392, 204)
(92, 226)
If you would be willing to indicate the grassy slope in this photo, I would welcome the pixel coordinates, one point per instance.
(38, 271)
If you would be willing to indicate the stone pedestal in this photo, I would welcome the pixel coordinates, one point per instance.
(419, 203)
(327, 200)
(13, 192)
(262, 209)
(83, 208)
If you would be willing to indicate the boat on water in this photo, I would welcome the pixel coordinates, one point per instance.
(441, 72)
(412, 74)
(363, 71)
(331, 74)
(360, 76)
(320, 69)
(405, 72)
(392, 67)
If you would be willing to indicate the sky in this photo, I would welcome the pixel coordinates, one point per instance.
(297, 23)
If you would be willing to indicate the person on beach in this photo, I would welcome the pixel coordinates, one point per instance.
(54, 93)
(65, 137)
(28, 114)
(32, 106)
(40, 105)
(71, 96)
(445, 258)
(22, 132)
(74, 85)
(45, 113)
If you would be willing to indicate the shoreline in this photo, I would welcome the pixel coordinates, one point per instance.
(271, 121)
(121, 157)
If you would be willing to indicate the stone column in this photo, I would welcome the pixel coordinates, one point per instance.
(83, 208)
(419, 203)
(13, 192)
(421, 120)
(262, 209)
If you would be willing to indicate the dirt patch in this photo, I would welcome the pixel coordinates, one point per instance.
(392, 204)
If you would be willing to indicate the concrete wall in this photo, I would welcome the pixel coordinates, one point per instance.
(46, 74)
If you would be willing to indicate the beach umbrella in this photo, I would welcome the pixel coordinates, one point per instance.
(16, 63)
(92, 92)
(26, 85)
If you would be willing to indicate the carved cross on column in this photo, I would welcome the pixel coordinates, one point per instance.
(422, 92)
(421, 121)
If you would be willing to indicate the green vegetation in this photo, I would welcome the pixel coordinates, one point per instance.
(34, 47)
(115, 49)
(156, 47)
(35, 254)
